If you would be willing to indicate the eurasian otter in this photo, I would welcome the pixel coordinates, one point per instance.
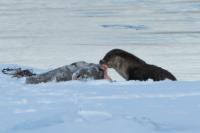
(131, 67)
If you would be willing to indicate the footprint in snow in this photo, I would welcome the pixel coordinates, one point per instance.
(94, 116)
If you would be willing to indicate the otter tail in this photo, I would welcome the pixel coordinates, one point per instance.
(158, 73)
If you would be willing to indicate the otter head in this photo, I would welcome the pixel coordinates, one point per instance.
(107, 62)
(111, 59)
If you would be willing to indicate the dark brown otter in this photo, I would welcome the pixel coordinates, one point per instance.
(131, 67)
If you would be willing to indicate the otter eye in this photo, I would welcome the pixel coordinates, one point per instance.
(101, 62)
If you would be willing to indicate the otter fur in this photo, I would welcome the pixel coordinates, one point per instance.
(131, 67)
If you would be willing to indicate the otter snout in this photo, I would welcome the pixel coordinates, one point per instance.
(101, 62)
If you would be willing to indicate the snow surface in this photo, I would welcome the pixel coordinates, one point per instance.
(45, 34)
(99, 106)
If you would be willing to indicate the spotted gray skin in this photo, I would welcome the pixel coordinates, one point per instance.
(92, 71)
(79, 69)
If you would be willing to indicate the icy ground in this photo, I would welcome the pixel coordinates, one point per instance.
(51, 33)
(99, 107)
(46, 34)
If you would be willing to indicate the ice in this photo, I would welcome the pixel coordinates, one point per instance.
(45, 34)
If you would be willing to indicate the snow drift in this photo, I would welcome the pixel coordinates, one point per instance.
(99, 106)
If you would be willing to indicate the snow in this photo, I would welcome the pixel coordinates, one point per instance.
(46, 34)
(99, 106)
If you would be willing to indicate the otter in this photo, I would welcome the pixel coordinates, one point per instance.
(130, 67)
